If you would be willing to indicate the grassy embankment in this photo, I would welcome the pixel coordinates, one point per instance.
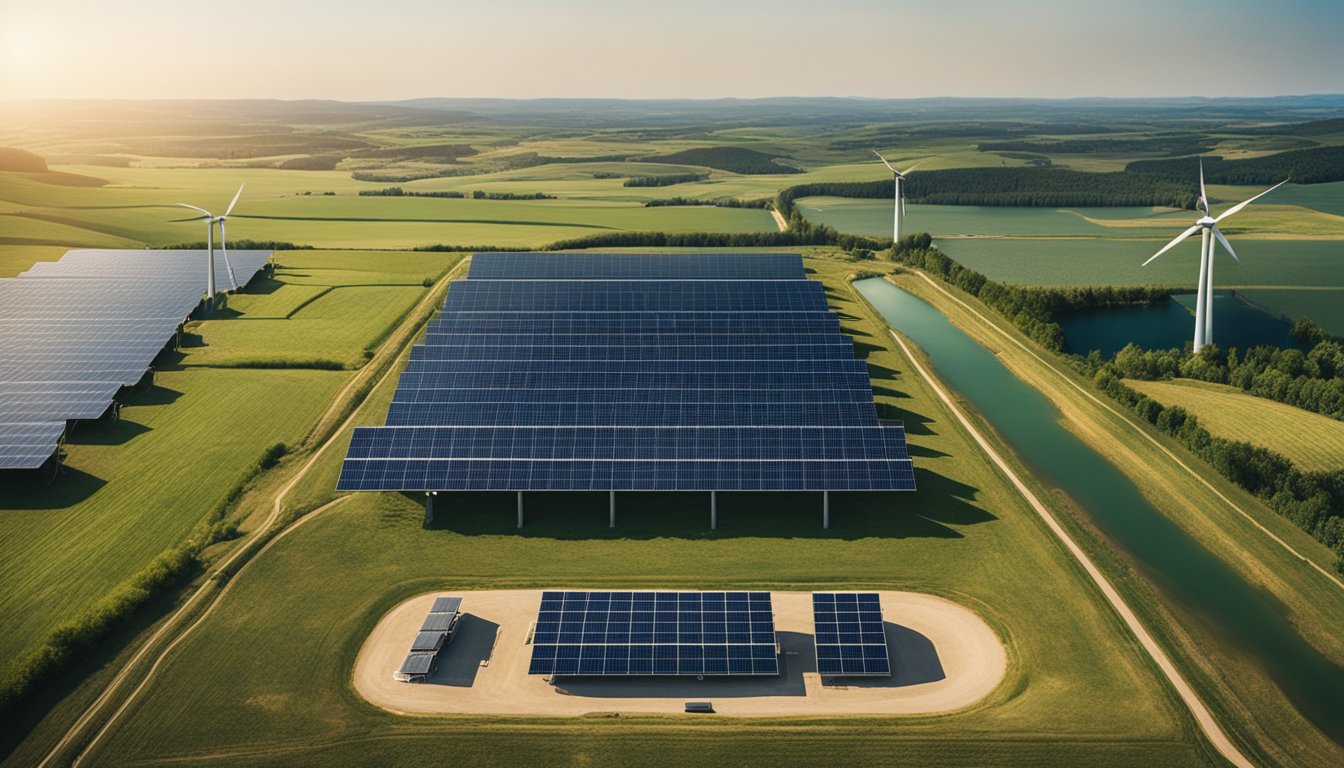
(311, 599)
(1246, 701)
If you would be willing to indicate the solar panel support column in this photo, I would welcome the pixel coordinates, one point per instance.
(520, 509)
(429, 508)
(713, 510)
(825, 509)
(612, 524)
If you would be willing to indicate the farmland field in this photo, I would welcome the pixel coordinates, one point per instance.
(1312, 441)
(967, 537)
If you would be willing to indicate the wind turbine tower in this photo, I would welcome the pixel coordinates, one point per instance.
(899, 201)
(211, 220)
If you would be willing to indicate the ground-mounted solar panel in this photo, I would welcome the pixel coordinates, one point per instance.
(636, 296)
(73, 331)
(635, 322)
(29, 445)
(637, 372)
(644, 634)
(636, 266)
(851, 639)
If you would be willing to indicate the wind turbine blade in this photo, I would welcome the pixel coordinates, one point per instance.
(1192, 230)
(224, 250)
(884, 161)
(902, 205)
(208, 214)
(1218, 233)
(911, 168)
(235, 200)
(1203, 195)
(1244, 203)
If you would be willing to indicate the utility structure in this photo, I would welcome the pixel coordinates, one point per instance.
(211, 220)
(1207, 226)
(898, 202)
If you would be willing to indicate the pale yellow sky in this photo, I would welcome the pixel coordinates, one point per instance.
(643, 49)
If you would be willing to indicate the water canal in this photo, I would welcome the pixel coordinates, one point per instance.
(1184, 570)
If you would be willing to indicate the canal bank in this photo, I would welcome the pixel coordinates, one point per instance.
(1244, 620)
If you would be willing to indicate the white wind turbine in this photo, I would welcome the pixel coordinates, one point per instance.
(899, 201)
(211, 220)
(1207, 225)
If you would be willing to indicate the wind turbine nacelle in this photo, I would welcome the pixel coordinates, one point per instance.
(1207, 222)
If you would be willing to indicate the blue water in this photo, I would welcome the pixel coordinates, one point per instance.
(1185, 572)
(1172, 324)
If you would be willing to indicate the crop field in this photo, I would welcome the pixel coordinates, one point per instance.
(1323, 305)
(1312, 441)
(966, 536)
(873, 217)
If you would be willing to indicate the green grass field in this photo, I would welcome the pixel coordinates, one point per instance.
(965, 535)
(137, 487)
(1312, 441)
(304, 314)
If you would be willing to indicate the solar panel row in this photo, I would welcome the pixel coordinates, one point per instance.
(625, 372)
(631, 266)
(74, 331)
(654, 633)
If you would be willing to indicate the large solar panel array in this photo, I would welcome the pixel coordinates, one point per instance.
(654, 633)
(632, 372)
(74, 331)
(851, 640)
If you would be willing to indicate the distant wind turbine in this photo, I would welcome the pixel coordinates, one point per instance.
(899, 201)
(1207, 225)
(211, 220)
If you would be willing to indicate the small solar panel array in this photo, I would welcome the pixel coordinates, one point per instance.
(851, 640)
(704, 372)
(436, 632)
(704, 634)
(76, 330)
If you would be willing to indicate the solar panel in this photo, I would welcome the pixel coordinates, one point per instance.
(628, 266)
(446, 605)
(29, 445)
(429, 642)
(702, 634)
(417, 663)
(850, 636)
(74, 331)
(632, 372)
(438, 621)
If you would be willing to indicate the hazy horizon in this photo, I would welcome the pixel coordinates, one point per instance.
(594, 49)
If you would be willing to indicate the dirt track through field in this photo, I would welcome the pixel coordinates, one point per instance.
(944, 657)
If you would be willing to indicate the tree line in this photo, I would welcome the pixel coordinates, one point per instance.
(666, 180)
(1317, 165)
(1024, 186)
(720, 202)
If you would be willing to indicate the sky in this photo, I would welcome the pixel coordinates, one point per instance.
(395, 49)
